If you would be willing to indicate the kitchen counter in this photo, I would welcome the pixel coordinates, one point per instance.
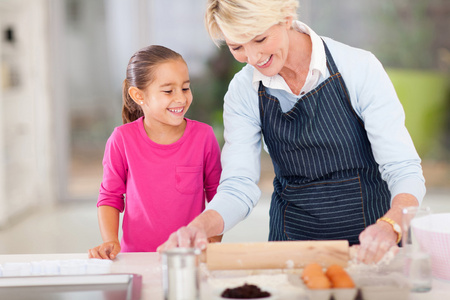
(149, 266)
(146, 264)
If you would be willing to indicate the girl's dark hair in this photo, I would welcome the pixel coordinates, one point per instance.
(140, 71)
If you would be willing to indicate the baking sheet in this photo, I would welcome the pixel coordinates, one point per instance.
(72, 287)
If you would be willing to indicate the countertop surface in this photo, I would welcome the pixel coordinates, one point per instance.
(149, 266)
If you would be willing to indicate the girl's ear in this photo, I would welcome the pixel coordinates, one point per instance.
(136, 94)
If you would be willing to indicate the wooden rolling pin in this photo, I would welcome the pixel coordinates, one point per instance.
(275, 255)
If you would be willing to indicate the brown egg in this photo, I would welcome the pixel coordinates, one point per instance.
(344, 282)
(318, 283)
(338, 277)
(312, 270)
(334, 269)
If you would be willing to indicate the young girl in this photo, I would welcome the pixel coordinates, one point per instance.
(165, 164)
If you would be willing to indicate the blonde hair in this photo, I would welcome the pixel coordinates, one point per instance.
(242, 20)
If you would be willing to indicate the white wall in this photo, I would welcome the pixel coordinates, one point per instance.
(25, 117)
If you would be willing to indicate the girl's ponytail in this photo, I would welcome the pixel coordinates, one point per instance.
(130, 110)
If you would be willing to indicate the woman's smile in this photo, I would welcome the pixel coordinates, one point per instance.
(267, 52)
(265, 63)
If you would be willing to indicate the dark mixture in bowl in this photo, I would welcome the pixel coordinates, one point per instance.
(246, 291)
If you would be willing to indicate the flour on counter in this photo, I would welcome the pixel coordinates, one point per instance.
(273, 280)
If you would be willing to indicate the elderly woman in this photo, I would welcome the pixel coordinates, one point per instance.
(345, 165)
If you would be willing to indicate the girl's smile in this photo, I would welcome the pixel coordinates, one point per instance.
(176, 110)
(165, 101)
(168, 96)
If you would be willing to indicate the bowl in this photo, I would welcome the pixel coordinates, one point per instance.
(273, 295)
(433, 235)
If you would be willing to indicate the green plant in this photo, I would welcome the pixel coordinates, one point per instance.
(425, 96)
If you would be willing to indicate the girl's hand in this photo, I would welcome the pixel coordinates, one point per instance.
(376, 240)
(108, 250)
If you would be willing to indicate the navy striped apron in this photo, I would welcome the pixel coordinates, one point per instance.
(327, 184)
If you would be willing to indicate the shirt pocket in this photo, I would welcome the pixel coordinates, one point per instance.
(189, 179)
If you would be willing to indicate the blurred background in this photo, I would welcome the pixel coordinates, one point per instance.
(62, 63)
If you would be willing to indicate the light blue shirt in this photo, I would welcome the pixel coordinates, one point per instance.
(372, 96)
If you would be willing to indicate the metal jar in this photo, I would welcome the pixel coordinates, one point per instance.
(180, 274)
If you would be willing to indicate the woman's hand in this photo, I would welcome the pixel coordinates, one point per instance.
(375, 241)
(195, 235)
(108, 250)
(185, 237)
(215, 239)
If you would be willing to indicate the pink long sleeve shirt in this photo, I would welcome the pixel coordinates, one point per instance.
(158, 187)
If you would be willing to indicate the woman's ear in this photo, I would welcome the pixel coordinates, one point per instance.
(288, 22)
(136, 94)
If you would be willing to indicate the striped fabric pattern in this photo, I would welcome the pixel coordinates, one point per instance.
(327, 183)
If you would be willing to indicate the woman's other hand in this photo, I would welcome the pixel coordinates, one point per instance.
(108, 250)
(376, 240)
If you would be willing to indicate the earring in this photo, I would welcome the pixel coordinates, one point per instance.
(142, 102)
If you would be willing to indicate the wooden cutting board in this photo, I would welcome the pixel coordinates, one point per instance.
(275, 255)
